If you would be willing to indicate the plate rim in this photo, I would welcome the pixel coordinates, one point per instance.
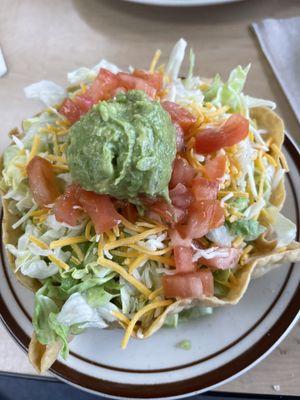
(234, 368)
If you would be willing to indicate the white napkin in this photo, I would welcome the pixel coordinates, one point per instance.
(279, 40)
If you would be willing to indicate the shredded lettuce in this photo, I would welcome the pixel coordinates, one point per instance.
(48, 92)
(249, 229)
(240, 203)
(176, 59)
(282, 229)
(221, 236)
(184, 345)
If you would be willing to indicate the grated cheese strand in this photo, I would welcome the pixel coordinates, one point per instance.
(133, 239)
(67, 242)
(139, 314)
(131, 226)
(156, 293)
(137, 262)
(121, 271)
(145, 250)
(121, 317)
(78, 251)
(51, 257)
(154, 61)
(35, 146)
(87, 232)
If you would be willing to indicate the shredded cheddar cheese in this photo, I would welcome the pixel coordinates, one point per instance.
(67, 241)
(154, 61)
(139, 314)
(121, 271)
(61, 264)
(137, 262)
(156, 293)
(35, 147)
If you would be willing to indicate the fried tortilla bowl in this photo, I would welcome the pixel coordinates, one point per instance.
(264, 259)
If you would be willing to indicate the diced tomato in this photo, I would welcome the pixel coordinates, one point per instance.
(203, 216)
(180, 115)
(42, 181)
(67, 208)
(133, 83)
(184, 286)
(169, 213)
(183, 259)
(207, 282)
(103, 86)
(177, 240)
(203, 189)
(100, 209)
(229, 261)
(70, 110)
(229, 133)
(154, 79)
(215, 167)
(182, 172)
(218, 216)
(130, 212)
(179, 138)
(181, 196)
(84, 102)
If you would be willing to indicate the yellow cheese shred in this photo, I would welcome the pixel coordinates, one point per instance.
(132, 227)
(144, 249)
(154, 61)
(77, 250)
(87, 232)
(51, 257)
(133, 239)
(121, 271)
(35, 146)
(67, 241)
(139, 314)
(137, 262)
(156, 293)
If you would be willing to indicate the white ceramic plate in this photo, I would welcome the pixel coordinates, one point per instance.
(182, 3)
(224, 345)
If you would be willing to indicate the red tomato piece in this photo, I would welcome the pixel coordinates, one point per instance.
(207, 282)
(100, 209)
(84, 102)
(218, 217)
(203, 216)
(67, 208)
(42, 181)
(215, 167)
(179, 138)
(177, 240)
(133, 83)
(182, 172)
(169, 213)
(184, 286)
(130, 212)
(180, 115)
(181, 196)
(218, 262)
(154, 79)
(103, 86)
(183, 259)
(70, 110)
(203, 189)
(119, 89)
(229, 133)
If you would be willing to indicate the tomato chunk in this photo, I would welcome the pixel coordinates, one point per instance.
(179, 115)
(42, 181)
(215, 167)
(203, 189)
(228, 261)
(70, 110)
(100, 209)
(154, 79)
(182, 172)
(183, 259)
(229, 133)
(67, 208)
(181, 196)
(130, 212)
(179, 138)
(84, 102)
(103, 86)
(133, 83)
(203, 216)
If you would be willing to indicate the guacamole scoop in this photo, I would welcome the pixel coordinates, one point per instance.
(123, 147)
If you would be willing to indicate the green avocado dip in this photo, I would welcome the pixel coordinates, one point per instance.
(123, 147)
